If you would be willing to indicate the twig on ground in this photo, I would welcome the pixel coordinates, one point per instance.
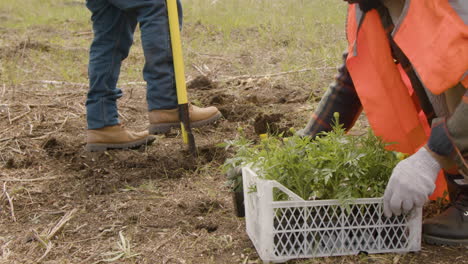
(123, 117)
(45, 239)
(131, 107)
(216, 57)
(43, 136)
(39, 238)
(80, 106)
(167, 240)
(1, 156)
(16, 150)
(87, 260)
(29, 180)
(78, 228)
(63, 123)
(4, 90)
(79, 93)
(6, 139)
(60, 128)
(198, 68)
(48, 246)
(166, 260)
(53, 82)
(39, 105)
(84, 240)
(5, 251)
(212, 56)
(84, 33)
(135, 83)
(48, 249)
(59, 83)
(9, 115)
(5, 130)
(58, 227)
(20, 116)
(10, 201)
(129, 97)
(248, 76)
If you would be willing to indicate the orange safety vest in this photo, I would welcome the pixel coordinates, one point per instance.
(435, 40)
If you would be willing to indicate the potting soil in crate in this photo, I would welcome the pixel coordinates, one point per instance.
(284, 230)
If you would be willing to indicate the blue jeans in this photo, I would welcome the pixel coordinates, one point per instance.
(114, 23)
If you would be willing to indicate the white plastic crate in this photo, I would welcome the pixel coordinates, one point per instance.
(284, 230)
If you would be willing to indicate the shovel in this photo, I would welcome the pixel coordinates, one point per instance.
(182, 100)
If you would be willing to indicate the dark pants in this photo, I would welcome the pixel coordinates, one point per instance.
(114, 23)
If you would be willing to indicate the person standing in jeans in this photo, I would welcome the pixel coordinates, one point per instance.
(114, 23)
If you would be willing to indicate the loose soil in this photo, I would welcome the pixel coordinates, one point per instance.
(174, 208)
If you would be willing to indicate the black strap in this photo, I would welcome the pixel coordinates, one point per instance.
(398, 55)
(366, 5)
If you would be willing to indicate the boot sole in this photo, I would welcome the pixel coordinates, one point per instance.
(166, 127)
(432, 240)
(92, 147)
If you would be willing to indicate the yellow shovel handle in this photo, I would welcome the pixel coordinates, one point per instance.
(174, 29)
(177, 51)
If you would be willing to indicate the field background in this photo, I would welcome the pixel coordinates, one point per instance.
(263, 63)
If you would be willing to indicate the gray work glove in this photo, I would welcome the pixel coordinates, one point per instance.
(412, 181)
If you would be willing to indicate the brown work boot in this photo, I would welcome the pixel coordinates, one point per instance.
(115, 137)
(161, 121)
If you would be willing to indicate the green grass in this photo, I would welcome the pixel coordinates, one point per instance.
(273, 35)
(40, 40)
(35, 13)
(298, 31)
(294, 19)
(245, 36)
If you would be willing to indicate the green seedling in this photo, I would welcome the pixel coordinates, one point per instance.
(335, 165)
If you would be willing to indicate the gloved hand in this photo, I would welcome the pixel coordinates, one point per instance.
(412, 181)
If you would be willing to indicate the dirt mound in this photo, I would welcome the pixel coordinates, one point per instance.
(265, 123)
(201, 82)
(237, 112)
(221, 99)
